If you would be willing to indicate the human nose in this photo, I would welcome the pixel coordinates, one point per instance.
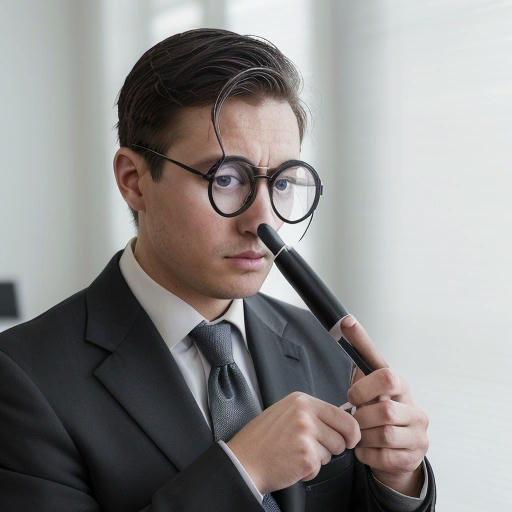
(260, 211)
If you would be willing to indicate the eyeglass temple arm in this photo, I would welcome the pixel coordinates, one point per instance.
(179, 164)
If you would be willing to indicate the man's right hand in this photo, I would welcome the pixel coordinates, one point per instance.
(292, 439)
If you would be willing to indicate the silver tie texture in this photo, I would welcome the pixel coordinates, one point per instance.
(232, 404)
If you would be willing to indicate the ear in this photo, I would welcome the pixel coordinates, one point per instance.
(129, 167)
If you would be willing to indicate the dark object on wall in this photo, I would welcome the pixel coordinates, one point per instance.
(8, 302)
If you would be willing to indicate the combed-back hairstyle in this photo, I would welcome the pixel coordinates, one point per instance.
(196, 68)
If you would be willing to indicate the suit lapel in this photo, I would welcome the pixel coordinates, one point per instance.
(282, 367)
(141, 373)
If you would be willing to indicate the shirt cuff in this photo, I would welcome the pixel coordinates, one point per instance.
(397, 501)
(245, 476)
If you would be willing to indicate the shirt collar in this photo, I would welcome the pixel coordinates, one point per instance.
(172, 316)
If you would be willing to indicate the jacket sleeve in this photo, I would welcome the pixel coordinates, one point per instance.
(367, 495)
(41, 467)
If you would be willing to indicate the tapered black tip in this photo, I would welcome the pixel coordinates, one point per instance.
(270, 238)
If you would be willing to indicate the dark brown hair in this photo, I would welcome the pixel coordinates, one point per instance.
(196, 68)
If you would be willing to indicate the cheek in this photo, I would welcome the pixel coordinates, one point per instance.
(197, 215)
(185, 218)
(178, 203)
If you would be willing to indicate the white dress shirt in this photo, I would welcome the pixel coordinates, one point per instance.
(174, 319)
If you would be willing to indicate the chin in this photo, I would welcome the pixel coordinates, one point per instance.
(240, 288)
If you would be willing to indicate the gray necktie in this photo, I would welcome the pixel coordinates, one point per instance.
(232, 404)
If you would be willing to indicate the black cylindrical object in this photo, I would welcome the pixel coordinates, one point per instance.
(314, 292)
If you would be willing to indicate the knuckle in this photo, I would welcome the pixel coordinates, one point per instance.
(303, 422)
(388, 411)
(390, 380)
(307, 466)
(297, 396)
(354, 433)
(308, 463)
(300, 401)
(326, 460)
(340, 446)
(316, 468)
(301, 445)
(388, 435)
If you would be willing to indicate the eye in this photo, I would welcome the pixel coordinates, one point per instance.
(281, 184)
(229, 178)
(225, 181)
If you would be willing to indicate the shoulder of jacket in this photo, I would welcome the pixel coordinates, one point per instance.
(63, 317)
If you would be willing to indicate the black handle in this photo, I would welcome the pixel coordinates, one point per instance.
(313, 291)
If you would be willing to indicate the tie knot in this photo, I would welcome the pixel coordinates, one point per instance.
(214, 341)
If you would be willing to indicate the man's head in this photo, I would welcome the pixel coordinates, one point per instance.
(170, 102)
(190, 70)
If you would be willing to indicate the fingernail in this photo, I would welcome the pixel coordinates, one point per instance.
(348, 321)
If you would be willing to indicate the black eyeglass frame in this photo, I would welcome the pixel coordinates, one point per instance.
(271, 177)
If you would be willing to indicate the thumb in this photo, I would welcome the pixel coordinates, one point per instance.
(359, 339)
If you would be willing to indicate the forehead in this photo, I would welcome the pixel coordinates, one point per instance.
(256, 128)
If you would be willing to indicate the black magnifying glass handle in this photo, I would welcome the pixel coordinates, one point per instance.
(314, 292)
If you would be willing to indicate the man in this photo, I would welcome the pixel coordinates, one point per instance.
(170, 383)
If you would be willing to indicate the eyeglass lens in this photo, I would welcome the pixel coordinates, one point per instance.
(293, 190)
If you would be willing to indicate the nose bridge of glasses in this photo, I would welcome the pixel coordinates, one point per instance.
(256, 168)
(258, 193)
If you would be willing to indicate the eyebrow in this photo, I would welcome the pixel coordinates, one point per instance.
(270, 170)
(206, 163)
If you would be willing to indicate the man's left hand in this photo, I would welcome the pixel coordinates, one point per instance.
(393, 428)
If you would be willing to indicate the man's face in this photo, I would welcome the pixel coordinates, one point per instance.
(183, 243)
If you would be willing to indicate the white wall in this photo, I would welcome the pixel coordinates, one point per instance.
(40, 245)
(424, 137)
(63, 63)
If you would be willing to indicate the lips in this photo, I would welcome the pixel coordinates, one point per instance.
(252, 255)
(248, 261)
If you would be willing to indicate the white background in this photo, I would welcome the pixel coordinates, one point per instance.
(411, 132)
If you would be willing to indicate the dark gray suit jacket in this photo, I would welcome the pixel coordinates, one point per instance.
(95, 415)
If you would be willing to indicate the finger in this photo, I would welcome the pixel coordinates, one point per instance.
(388, 413)
(341, 422)
(330, 439)
(357, 374)
(388, 459)
(380, 383)
(321, 457)
(391, 436)
(358, 337)
(323, 454)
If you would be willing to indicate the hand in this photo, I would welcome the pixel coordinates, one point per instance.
(290, 441)
(393, 428)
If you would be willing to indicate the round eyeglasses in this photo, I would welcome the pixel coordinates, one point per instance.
(294, 187)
